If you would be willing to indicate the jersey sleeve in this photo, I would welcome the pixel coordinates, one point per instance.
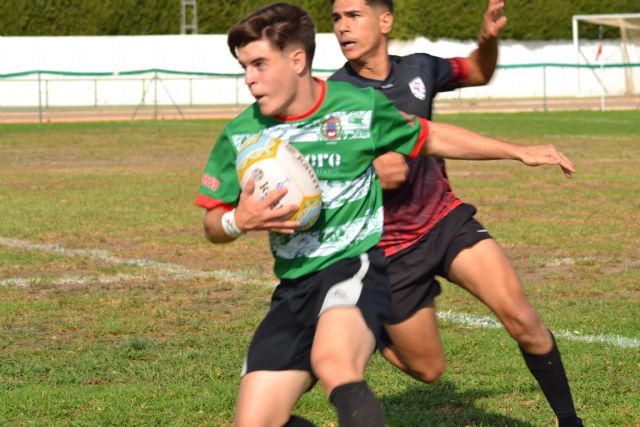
(448, 73)
(219, 186)
(396, 131)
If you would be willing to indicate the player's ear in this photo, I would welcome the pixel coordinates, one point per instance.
(298, 59)
(386, 22)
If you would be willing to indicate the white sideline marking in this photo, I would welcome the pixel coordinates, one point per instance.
(174, 269)
(179, 271)
(488, 323)
(82, 279)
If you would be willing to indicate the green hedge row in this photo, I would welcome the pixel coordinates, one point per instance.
(456, 19)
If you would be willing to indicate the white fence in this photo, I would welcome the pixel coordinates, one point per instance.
(48, 72)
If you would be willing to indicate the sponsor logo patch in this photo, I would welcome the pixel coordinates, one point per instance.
(418, 89)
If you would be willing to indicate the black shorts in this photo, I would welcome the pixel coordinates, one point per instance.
(412, 272)
(284, 337)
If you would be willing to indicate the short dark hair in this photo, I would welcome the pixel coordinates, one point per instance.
(384, 3)
(282, 24)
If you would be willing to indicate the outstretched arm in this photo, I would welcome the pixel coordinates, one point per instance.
(454, 142)
(482, 61)
(250, 214)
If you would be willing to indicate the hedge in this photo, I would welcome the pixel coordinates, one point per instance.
(434, 19)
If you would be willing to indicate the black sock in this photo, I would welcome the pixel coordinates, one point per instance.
(296, 421)
(357, 406)
(549, 372)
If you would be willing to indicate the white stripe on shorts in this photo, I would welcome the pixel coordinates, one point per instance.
(347, 292)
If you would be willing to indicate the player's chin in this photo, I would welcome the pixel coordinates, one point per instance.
(266, 108)
(350, 53)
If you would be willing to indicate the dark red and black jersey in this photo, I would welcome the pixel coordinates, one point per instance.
(426, 197)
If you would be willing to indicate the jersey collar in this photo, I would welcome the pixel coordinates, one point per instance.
(378, 84)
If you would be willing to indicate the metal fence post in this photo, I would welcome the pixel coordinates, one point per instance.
(39, 99)
(544, 86)
(155, 96)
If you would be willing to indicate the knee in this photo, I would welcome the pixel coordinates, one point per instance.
(427, 372)
(332, 370)
(426, 367)
(525, 326)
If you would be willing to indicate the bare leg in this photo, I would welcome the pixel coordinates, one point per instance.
(416, 347)
(341, 350)
(486, 272)
(267, 397)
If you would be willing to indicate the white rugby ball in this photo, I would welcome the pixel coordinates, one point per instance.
(274, 164)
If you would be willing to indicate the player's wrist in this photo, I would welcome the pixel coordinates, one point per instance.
(229, 225)
(486, 37)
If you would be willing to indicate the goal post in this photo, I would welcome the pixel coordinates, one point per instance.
(629, 25)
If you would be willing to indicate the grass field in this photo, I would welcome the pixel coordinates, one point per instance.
(114, 310)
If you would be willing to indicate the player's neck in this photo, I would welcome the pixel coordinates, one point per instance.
(374, 68)
(307, 97)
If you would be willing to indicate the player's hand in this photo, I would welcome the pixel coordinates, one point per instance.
(494, 20)
(536, 155)
(392, 169)
(254, 214)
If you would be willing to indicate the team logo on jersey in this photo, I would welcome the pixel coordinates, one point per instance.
(331, 127)
(418, 89)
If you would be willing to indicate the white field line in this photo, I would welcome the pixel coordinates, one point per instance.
(175, 270)
(73, 280)
(179, 271)
(489, 323)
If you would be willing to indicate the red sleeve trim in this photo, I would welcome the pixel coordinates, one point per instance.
(210, 203)
(460, 69)
(422, 138)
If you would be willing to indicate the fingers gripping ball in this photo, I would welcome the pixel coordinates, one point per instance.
(274, 164)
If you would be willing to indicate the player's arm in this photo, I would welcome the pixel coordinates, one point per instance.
(481, 62)
(222, 225)
(454, 142)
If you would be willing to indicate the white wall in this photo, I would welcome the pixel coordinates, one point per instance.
(209, 53)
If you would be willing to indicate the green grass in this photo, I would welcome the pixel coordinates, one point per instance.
(89, 339)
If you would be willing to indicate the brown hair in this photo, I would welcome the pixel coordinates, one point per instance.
(282, 24)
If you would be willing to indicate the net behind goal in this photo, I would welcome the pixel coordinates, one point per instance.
(629, 26)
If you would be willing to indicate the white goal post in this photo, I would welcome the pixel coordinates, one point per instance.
(629, 25)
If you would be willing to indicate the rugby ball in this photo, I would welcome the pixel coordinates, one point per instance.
(273, 164)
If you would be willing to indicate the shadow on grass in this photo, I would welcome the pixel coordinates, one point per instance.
(441, 404)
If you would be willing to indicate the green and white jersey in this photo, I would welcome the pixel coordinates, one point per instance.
(340, 137)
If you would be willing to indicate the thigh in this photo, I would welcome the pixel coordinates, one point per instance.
(486, 272)
(416, 340)
(342, 346)
(351, 319)
(266, 398)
